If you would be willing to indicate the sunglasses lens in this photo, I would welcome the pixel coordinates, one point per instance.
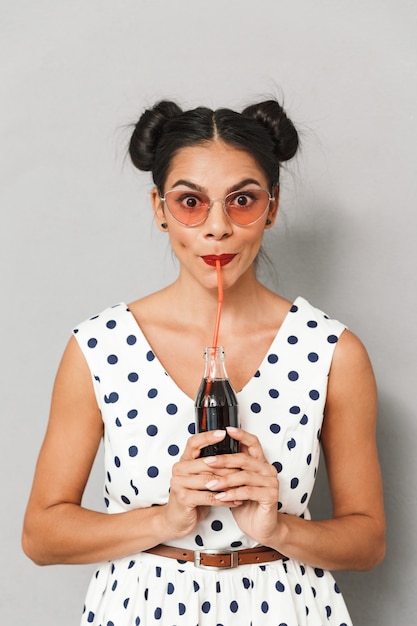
(247, 206)
(188, 207)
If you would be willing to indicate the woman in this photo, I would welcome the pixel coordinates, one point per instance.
(131, 374)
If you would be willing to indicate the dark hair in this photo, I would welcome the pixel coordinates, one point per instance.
(263, 130)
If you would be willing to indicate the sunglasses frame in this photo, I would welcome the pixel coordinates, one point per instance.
(211, 203)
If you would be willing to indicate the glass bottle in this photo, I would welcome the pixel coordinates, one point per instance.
(216, 403)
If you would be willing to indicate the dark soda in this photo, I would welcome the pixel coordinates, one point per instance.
(216, 408)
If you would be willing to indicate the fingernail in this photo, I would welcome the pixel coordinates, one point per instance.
(220, 496)
(232, 429)
(209, 459)
(211, 484)
(219, 434)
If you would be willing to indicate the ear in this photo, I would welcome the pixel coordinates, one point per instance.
(273, 208)
(158, 209)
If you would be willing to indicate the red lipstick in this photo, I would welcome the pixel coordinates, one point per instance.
(224, 259)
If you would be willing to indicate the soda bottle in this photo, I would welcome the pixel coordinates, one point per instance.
(216, 403)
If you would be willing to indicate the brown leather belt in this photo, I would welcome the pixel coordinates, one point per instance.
(218, 559)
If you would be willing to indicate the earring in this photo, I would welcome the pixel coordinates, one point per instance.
(268, 222)
(164, 225)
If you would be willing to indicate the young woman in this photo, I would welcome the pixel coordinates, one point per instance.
(130, 376)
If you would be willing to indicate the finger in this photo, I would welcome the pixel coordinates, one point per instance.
(267, 497)
(199, 441)
(240, 461)
(250, 441)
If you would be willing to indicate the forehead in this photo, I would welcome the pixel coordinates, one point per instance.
(214, 163)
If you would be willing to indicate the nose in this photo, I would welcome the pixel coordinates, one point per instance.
(217, 225)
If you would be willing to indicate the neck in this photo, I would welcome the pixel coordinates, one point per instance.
(197, 305)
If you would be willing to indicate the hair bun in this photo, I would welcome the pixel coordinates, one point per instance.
(271, 114)
(147, 133)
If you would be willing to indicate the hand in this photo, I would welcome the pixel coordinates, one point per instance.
(189, 498)
(255, 485)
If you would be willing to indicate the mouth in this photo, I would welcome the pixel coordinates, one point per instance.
(210, 259)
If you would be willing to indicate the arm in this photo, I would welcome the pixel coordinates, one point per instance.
(57, 529)
(355, 536)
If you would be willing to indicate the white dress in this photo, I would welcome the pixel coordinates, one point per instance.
(148, 420)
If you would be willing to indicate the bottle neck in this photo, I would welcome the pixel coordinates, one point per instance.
(215, 368)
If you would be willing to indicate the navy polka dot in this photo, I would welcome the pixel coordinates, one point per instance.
(133, 451)
(181, 608)
(111, 398)
(234, 607)
(173, 450)
(312, 324)
(291, 443)
(275, 428)
(293, 376)
(132, 414)
(295, 410)
(332, 338)
(279, 586)
(153, 471)
(152, 393)
(111, 324)
(255, 407)
(314, 394)
(272, 358)
(206, 606)
(152, 430)
(172, 409)
(313, 357)
(292, 340)
(294, 483)
(131, 340)
(112, 359)
(133, 377)
(150, 355)
(278, 466)
(294, 308)
(274, 393)
(217, 525)
(264, 607)
(304, 420)
(91, 343)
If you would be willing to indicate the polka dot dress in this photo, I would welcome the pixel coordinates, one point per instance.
(148, 420)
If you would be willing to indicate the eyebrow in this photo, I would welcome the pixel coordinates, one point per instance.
(236, 187)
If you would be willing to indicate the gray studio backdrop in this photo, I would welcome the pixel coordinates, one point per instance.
(77, 234)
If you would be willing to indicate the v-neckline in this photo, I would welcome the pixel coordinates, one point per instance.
(276, 338)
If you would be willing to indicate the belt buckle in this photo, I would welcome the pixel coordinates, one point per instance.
(234, 559)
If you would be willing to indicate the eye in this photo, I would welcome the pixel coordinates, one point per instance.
(191, 201)
(241, 199)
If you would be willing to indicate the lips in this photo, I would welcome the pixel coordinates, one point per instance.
(224, 259)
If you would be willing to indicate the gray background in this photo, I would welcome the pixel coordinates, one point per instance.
(77, 233)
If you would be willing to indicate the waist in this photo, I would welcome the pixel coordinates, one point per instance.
(218, 559)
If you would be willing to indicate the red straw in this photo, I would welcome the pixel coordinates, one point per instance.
(219, 305)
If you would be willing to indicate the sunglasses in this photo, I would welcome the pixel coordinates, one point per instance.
(243, 207)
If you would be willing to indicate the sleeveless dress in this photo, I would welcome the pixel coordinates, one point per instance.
(148, 420)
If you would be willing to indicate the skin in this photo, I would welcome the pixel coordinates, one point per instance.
(58, 529)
